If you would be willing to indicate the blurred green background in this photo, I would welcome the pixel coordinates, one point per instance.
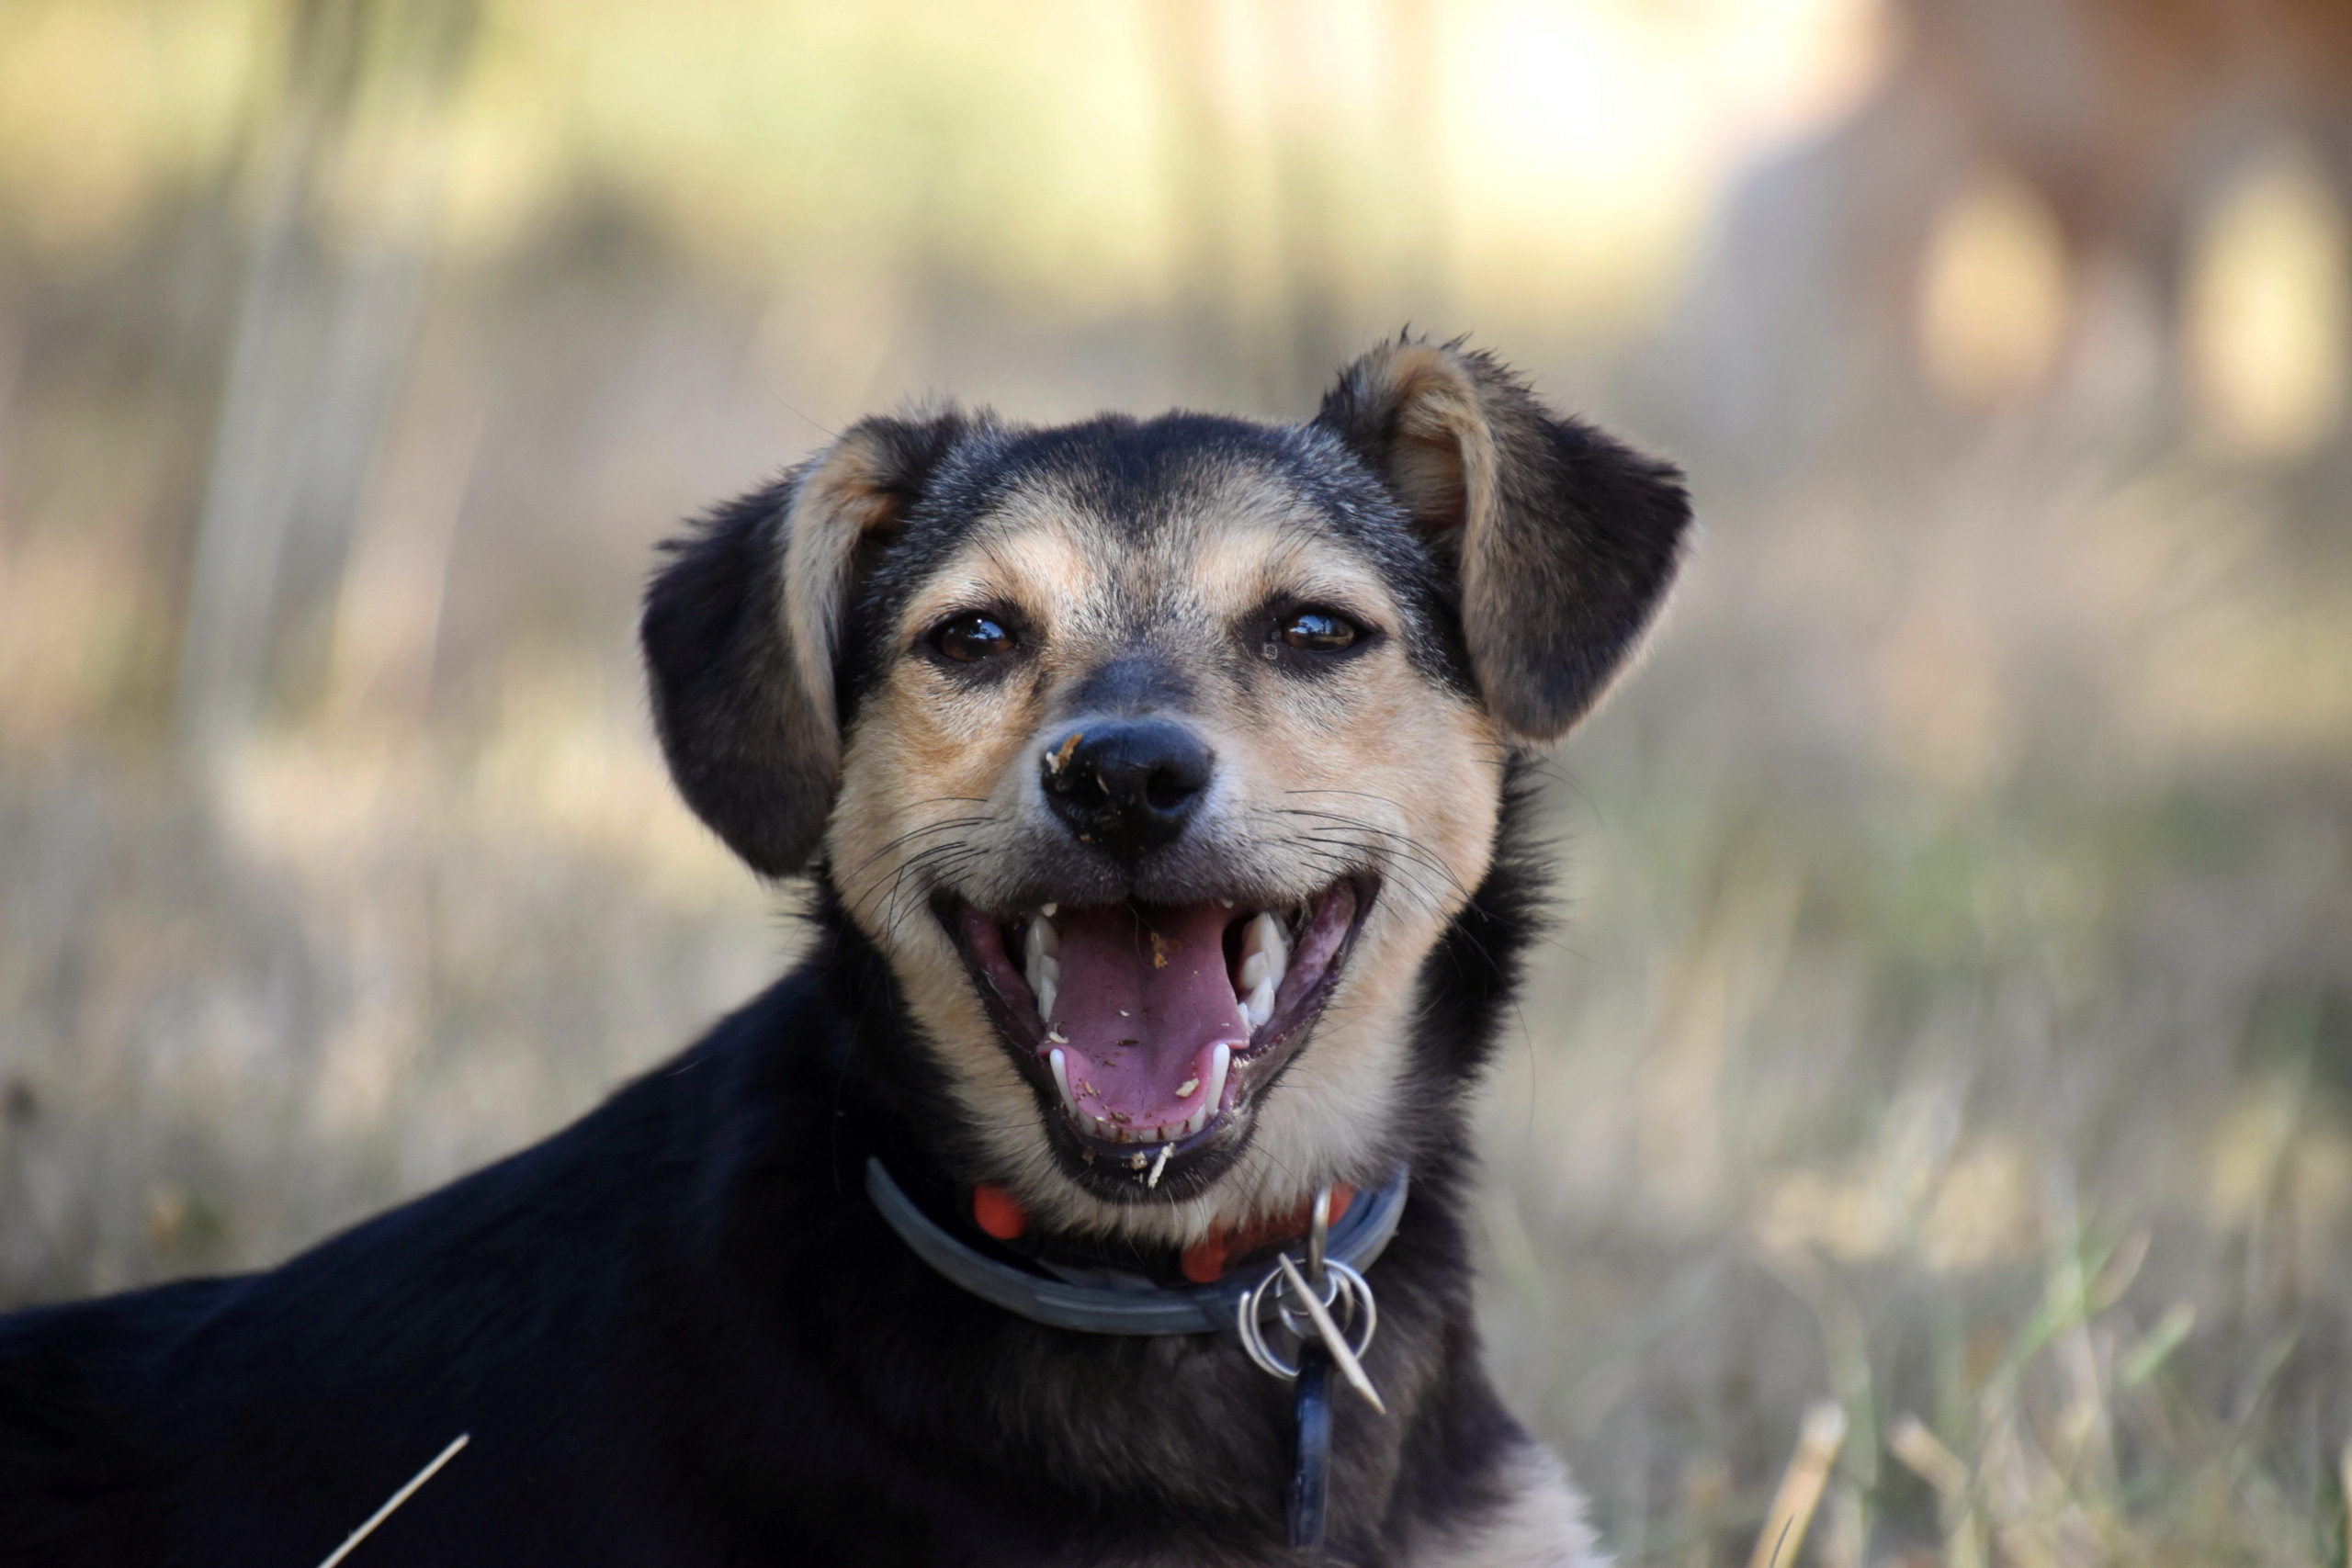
(1952, 1013)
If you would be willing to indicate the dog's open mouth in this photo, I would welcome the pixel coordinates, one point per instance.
(1155, 1024)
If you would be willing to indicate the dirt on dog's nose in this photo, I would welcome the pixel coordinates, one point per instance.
(1127, 785)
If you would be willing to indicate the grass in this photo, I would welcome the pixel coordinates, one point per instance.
(1981, 1072)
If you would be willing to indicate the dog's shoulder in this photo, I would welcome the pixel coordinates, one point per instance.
(529, 1305)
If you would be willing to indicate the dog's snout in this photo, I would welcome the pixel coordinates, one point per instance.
(1127, 785)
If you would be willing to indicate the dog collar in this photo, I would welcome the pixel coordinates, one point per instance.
(1107, 1300)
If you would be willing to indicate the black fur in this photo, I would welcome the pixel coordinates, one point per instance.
(751, 749)
(716, 651)
(677, 1332)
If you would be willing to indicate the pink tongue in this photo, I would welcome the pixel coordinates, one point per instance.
(1144, 999)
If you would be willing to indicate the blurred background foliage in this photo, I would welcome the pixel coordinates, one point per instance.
(1952, 1014)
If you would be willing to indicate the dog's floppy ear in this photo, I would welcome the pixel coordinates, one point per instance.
(742, 626)
(1564, 540)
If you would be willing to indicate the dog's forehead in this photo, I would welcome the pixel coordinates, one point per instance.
(1223, 543)
(1122, 521)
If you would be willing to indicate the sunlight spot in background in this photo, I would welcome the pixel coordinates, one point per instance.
(1993, 293)
(173, 80)
(1584, 141)
(2270, 311)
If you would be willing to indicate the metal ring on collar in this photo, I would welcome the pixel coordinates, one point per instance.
(1344, 1286)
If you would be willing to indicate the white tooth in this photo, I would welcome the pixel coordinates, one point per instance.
(1043, 968)
(1265, 958)
(1046, 991)
(1050, 910)
(1061, 1077)
(1219, 1061)
(1266, 933)
(1149, 1135)
(1043, 937)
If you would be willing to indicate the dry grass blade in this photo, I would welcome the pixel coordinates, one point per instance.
(1822, 1434)
(1949, 1475)
(395, 1500)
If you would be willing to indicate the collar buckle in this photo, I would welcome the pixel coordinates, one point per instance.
(1328, 1309)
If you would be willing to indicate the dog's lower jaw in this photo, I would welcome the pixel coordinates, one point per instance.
(1334, 1117)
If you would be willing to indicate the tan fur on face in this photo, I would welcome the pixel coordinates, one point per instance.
(845, 500)
(1375, 761)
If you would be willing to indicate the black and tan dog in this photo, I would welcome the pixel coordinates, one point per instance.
(1162, 781)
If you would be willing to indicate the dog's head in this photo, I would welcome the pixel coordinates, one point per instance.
(1155, 758)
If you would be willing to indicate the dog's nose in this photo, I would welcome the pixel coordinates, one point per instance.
(1127, 785)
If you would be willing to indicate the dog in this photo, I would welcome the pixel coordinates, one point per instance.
(1162, 788)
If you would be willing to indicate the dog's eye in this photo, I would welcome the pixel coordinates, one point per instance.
(969, 637)
(1319, 631)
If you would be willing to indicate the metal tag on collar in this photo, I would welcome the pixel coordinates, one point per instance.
(1319, 1308)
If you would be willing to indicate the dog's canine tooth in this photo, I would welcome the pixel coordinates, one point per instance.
(1046, 992)
(1259, 1005)
(1215, 1095)
(1061, 1079)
